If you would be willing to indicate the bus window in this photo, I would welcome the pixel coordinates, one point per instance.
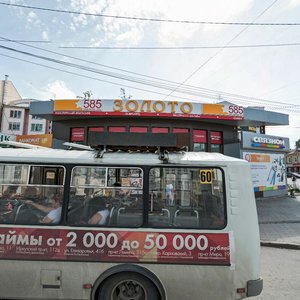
(13, 174)
(186, 198)
(32, 198)
(87, 181)
(106, 196)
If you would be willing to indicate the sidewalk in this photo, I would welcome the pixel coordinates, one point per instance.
(279, 221)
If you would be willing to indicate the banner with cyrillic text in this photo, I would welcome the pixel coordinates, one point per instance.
(114, 246)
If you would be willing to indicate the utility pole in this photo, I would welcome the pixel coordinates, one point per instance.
(2, 101)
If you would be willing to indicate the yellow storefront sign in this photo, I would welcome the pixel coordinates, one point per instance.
(44, 140)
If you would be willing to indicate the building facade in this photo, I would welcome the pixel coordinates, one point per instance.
(293, 161)
(15, 118)
(8, 92)
(210, 127)
(267, 157)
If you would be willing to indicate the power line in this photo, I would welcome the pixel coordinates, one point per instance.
(190, 89)
(226, 45)
(88, 77)
(291, 108)
(211, 94)
(150, 19)
(25, 41)
(179, 47)
(154, 83)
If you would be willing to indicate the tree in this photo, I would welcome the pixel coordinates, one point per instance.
(297, 144)
(86, 95)
(123, 95)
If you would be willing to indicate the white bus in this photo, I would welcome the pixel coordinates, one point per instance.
(77, 225)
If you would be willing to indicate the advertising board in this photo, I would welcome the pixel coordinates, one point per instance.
(115, 245)
(144, 108)
(267, 170)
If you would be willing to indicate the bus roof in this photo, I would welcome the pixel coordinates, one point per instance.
(59, 156)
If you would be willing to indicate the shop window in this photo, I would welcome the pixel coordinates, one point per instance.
(216, 141)
(180, 130)
(200, 147)
(77, 134)
(138, 129)
(200, 140)
(96, 129)
(216, 148)
(117, 129)
(160, 130)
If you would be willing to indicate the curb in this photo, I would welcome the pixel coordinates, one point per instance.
(281, 245)
(279, 222)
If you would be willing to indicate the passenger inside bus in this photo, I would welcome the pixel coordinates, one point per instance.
(53, 211)
(12, 192)
(120, 192)
(213, 208)
(102, 214)
(31, 193)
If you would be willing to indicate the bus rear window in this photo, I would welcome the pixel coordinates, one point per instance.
(186, 198)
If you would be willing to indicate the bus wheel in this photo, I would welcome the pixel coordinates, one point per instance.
(128, 286)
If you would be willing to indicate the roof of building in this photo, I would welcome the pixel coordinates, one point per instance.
(294, 151)
(252, 116)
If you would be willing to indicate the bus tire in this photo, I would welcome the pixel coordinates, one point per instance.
(128, 285)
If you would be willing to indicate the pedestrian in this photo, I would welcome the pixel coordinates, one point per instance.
(294, 186)
(169, 193)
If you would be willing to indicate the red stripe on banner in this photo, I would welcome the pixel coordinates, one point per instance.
(114, 246)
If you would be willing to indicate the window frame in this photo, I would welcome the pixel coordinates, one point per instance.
(219, 228)
(36, 127)
(27, 184)
(14, 126)
(109, 187)
(15, 114)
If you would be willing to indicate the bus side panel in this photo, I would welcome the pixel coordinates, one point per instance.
(37, 280)
(243, 221)
(195, 282)
(180, 281)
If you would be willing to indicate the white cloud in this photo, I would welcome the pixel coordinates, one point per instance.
(131, 31)
(292, 131)
(294, 3)
(56, 89)
(32, 18)
(45, 35)
(60, 90)
(72, 27)
(198, 10)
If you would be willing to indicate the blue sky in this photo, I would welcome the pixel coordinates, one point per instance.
(266, 73)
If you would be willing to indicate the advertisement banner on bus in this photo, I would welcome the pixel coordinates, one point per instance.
(115, 246)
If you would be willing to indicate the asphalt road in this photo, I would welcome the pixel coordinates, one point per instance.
(281, 274)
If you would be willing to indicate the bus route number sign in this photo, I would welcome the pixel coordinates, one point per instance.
(206, 176)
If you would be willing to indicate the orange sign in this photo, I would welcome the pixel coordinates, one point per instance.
(259, 158)
(44, 140)
(147, 108)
